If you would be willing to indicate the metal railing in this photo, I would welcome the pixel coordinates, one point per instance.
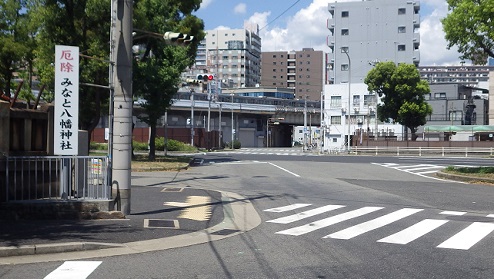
(424, 151)
(54, 178)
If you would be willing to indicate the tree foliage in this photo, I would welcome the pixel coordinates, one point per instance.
(157, 69)
(469, 26)
(15, 47)
(82, 23)
(402, 93)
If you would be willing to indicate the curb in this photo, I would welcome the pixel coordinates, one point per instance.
(464, 178)
(239, 216)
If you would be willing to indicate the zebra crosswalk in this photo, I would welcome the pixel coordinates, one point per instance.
(271, 151)
(463, 240)
(418, 169)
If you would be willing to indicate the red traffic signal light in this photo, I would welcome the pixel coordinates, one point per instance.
(205, 77)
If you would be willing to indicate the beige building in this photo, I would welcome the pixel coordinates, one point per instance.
(304, 71)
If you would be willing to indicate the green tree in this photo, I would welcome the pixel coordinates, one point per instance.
(14, 45)
(82, 23)
(402, 93)
(158, 67)
(468, 25)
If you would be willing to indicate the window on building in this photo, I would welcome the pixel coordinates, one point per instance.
(308, 70)
(345, 13)
(274, 55)
(401, 47)
(356, 100)
(274, 63)
(344, 49)
(308, 62)
(402, 29)
(440, 95)
(274, 83)
(281, 77)
(335, 120)
(402, 11)
(281, 56)
(369, 100)
(344, 67)
(274, 70)
(274, 77)
(335, 102)
(225, 57)
(345, 32)
(308, 55)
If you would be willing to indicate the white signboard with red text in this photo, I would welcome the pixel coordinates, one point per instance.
(66, 100)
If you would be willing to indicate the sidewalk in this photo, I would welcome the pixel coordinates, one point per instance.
(164, 214)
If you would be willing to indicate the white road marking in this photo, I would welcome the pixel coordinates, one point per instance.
(288, 207)
(454, 213)
(468, 237)
(305, 214)
(490, 216)
(74, 270)
(411, 233)
(294, 174)
(329, 221)
(373, 224)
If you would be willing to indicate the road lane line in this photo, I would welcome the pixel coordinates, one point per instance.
(74, 270)
(468, 236)
(288, 207)
(305, 214)
(294, 174)
(454, 213)
(373, 224)
(411, 233)
(329, 221)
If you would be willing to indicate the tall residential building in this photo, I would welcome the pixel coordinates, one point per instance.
(464, 75)
(304, 71)
(372, 31)
(232, 55)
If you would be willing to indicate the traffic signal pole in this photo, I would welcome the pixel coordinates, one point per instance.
(122, 107)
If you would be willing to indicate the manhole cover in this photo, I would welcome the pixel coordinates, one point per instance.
(161, 223)
(225, 232)
(172, 189)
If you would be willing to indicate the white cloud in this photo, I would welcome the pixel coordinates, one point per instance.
(307, 28)
(240, 9)
(206, 3)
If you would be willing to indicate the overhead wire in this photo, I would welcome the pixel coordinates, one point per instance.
(280, 15)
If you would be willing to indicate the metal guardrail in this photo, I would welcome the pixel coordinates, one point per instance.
(425, 151)
(54, 178)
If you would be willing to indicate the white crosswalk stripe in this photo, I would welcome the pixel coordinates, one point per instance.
(329, 221)
(462, 240)
(468, 237)
(271, 151)
(373, 224)
(411, 233)
(418, 169)
(74, 270)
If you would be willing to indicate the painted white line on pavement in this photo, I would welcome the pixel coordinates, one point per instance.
(74, 270)
(294, 174)
(288, 207)
(329, 221)
(359, 229)
(455, 213)
(411, 233)
(468, 237)
(305, 214)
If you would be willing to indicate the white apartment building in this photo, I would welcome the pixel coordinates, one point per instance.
(231, 55)
(362, 34)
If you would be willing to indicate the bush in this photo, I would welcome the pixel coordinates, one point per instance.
(236, 144)
(173, 145)
(140, 146)
(98, 146)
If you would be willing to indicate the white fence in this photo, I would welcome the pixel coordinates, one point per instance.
(424, 151)
(54, 177)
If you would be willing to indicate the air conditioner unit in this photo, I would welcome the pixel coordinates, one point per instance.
(343, 110)
(360, 121)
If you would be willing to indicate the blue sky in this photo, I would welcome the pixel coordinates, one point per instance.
(304, 24)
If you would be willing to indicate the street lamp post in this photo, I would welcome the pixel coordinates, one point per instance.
(233, 129)
(349, 95)
(192, 117)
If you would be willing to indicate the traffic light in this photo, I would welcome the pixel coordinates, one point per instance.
(178, 38)
(205, 77)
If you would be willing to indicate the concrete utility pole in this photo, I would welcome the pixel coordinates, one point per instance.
(122, 107)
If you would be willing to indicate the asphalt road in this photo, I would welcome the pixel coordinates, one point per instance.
(328, 217)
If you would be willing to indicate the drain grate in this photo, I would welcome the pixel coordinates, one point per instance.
(161, 223)
(170, 189)
(225, 232)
